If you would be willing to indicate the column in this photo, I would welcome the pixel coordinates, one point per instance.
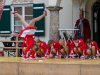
(54, 22)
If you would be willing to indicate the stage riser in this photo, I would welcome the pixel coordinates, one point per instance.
(47, 69)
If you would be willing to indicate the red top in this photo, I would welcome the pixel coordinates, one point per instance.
(79, 44)
(93, 43)
(57, 46)
(43, 46)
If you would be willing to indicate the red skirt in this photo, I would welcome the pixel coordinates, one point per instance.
(27, 31)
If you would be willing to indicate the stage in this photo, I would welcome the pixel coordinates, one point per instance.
(19, 66)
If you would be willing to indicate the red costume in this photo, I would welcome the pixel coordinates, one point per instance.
(93, 43)
(80, 44)
(57, 47)
(48, 50)
(86, 29)
(44, 47)
(28, 35)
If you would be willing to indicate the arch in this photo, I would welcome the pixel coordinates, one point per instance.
(96, 21)
(88, 13)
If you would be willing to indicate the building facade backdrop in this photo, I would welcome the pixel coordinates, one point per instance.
(67, 16)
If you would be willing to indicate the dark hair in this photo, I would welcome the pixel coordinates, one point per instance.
(88, 41)
(75, 38)
(49, 42)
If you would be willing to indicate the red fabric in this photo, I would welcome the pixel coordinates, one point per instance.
(68, 43)
(27, 28)
(57, 47)
(29, 43)
(93, 43)
(43, 46)
(1, 53)
(32, 52)
(80, 45)
(86, 28)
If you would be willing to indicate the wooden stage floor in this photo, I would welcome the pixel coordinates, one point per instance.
(50, 61)
(19, 66)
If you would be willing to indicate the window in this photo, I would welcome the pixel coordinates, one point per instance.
(17, 23)
(26, 12)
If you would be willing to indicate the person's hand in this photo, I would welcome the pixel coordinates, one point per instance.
(14, 12)
(45, 12)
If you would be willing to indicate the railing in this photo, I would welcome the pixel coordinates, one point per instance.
(12, 48)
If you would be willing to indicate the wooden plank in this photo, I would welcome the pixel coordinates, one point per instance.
(18, 66)
(9, 41)
(48, 69)
(90, 69)
(8, 68)
(11, 47)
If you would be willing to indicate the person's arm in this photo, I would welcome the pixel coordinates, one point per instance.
(32, 22)
(25, 24)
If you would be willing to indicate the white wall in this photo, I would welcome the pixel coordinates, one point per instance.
(66, 14)
(8, 2)
(65, 17)
(75, 13)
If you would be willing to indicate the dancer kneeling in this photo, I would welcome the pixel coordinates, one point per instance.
(42, 48)
(92, 49)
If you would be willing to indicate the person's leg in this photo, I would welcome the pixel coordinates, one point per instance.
(32, 22)
(80, 52)
(25, 24)
(93, 52)
(67, 50)
(63, 53)
(53, 53)
(38, 53)
(75, 50)
(32, 53)
(23, 48)
(44, 51)
(88, 53)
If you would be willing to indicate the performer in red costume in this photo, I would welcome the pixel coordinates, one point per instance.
(65, 50)
(91, 49)
(54, 49)
(84, 27)
(42, 48)
(79, 47)
(27, 34)
(70, 46)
